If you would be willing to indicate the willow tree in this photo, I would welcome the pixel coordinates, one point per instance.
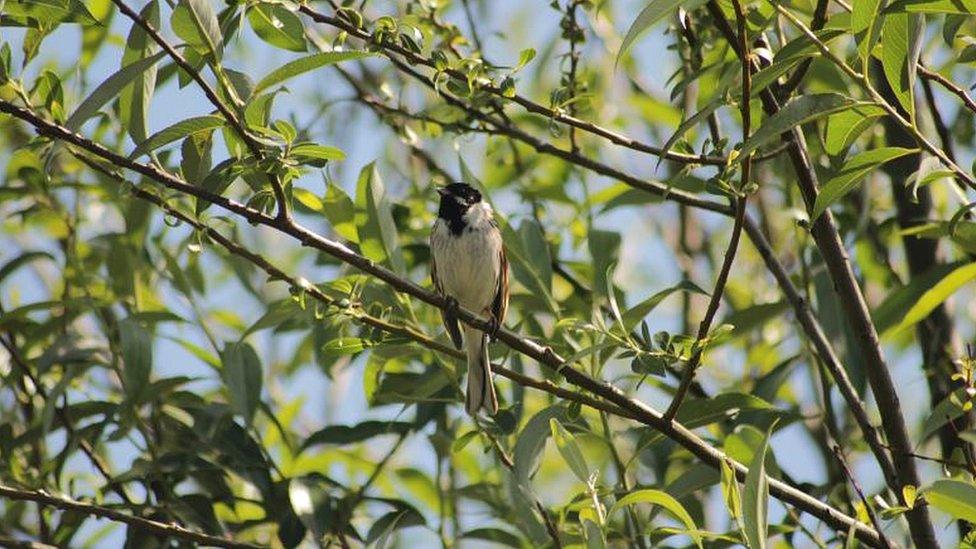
(741, 246)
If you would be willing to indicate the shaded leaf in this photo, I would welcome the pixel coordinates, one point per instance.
(196, 23)
(798, 111)
(109, 89)
(566, 443)
(955, 497)
(136, 343)
(243, 377)
(851, 174)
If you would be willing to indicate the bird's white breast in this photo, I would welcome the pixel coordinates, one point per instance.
(468, 264)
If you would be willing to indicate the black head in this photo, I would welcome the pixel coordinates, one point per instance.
(456, 199)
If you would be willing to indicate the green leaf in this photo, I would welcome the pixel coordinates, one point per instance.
(136, 343)
(798, 111)
(197, 156)
(755, 498)
(892, 309)
(23, 259)
(277, 26)
(305, 64)
(196, 23)
(340, 212)
(494, 535)
(566, 443)
(537, 250)
(177, 131)
(955, 497)
(936, 295)
(793, 52)
(663, 499)
(845, 126)
(900, 46)
(865, 27)
(638, 312)
(961, 233)
(108, 90)
(603, 247)
(382, 530)
(531, 441)
(134, 99)
(701, 412)
(689, 123)
(350, 434)
(654, 11)
(51, 11)
(374, 220)
(243, 378)
(316, 155)
(962, 7)
(849, 176)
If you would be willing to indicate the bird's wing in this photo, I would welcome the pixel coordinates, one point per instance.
(450, 322)
(500, 305)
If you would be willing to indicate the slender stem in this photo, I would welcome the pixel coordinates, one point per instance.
(739, 203)
(839, 454)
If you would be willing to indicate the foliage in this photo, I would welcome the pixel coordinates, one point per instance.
(215, 306)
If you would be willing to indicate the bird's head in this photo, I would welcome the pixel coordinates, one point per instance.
(457, 198)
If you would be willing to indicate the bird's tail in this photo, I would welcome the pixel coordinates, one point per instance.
(481, 390)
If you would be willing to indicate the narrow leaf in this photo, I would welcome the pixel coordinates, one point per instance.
(654, 11)
(177, 131)
(196, 22)
(108, 90)
(936, 295)
(305, 64)
(799, 111)
(243, 378)
(755, 498)
(955, 497)
(136, 343)
(665, 500)
(854, 170)
(566, 443)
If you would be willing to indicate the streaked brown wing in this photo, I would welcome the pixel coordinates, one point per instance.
(450, 323)
(500, 305)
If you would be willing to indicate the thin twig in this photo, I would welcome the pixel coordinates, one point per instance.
(839, 454)
(739, 203)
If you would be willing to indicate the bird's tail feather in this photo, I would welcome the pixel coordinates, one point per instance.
(481, 390)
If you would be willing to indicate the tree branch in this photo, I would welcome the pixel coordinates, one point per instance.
(852, 301)
(542, 354)
(152, 526)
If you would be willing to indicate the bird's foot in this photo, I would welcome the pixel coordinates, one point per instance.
(493, 327)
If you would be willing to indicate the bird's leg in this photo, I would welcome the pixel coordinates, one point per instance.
(452, 307)
(493, 327)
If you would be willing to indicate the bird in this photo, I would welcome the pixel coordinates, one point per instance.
(469, 267)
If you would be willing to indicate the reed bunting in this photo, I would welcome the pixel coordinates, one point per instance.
(468, 265)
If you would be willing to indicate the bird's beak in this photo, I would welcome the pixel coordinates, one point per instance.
(442, 191)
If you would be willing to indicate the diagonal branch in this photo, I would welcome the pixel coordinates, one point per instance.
(148, 525)
(542, 354)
